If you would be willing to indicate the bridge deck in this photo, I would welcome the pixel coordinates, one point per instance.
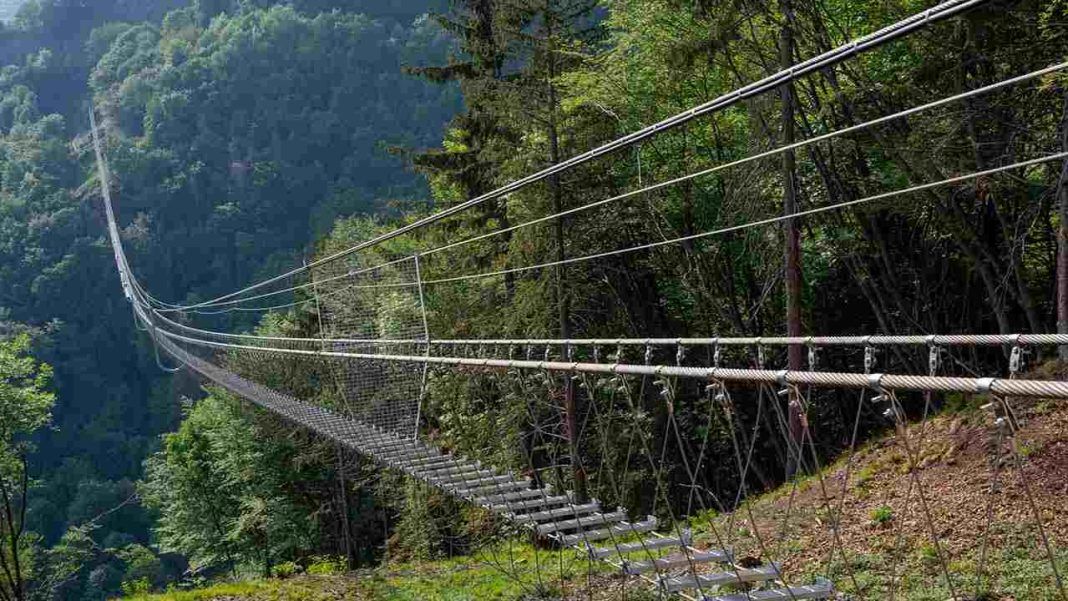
(548, 515)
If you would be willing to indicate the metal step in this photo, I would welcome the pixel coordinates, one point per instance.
(388, 442)
(820, 590)
(648, 544)
(448, 479)
(680, 560)
(563, 512)
(441, 470)
(540, 501)
(424, 461)
(496, 488)
(478, 481)
(495, 499)
(405, 459)
(623, 529)
(597, 519)
(735, 576)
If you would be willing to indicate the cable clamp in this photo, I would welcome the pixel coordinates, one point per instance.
(983, 385)
(780, 377)
(875, 382)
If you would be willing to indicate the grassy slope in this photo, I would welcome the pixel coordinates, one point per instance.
(883, 527)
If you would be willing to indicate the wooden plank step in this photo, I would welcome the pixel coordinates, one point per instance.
(623, 529)
(820, 590)
(679, 560)
(597, 519)
(735, 576)
(648, 544)
(562, 512)
(542, 500)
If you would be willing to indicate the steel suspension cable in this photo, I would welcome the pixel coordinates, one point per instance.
(1014, 387)
(717, 232)
(762, 222)
(826, 60)
(668, 183)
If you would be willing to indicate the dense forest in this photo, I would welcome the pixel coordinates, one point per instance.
(242, 131)
(249, 136)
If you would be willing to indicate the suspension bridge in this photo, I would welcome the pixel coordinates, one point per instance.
(363, 382)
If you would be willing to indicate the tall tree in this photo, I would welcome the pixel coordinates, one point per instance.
(25, 406)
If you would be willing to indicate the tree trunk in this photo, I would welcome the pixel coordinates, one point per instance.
(1062, 236)
(792, 250)
(563, 301)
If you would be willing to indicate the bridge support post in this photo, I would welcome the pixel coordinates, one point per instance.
(343, 485)
(426, 338)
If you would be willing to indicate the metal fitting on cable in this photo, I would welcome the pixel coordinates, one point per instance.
(717, 354)
(648, 353)
(548, 352)
(760, 353)
(1015, 360)
(934, 357)
(811, 354)
(680, 353)
(983, 385)
(596, 354)
(869, 357)
(875, 382)
(780, 377)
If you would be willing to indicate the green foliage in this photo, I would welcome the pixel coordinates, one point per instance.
(882, 515)
(324, 566)
(219, 487)
(333, 95)
(25, 406)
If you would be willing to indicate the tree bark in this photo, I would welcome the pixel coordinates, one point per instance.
(563, 300)
(792, 234)
(1062, 235)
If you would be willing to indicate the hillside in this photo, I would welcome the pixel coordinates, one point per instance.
(955, 472)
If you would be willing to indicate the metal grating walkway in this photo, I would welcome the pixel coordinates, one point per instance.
(627, 545)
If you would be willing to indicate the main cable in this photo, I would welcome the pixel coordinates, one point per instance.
(828, 59)
(752, 224)
(647, 189)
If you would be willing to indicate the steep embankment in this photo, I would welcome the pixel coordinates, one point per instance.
(884, 526)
